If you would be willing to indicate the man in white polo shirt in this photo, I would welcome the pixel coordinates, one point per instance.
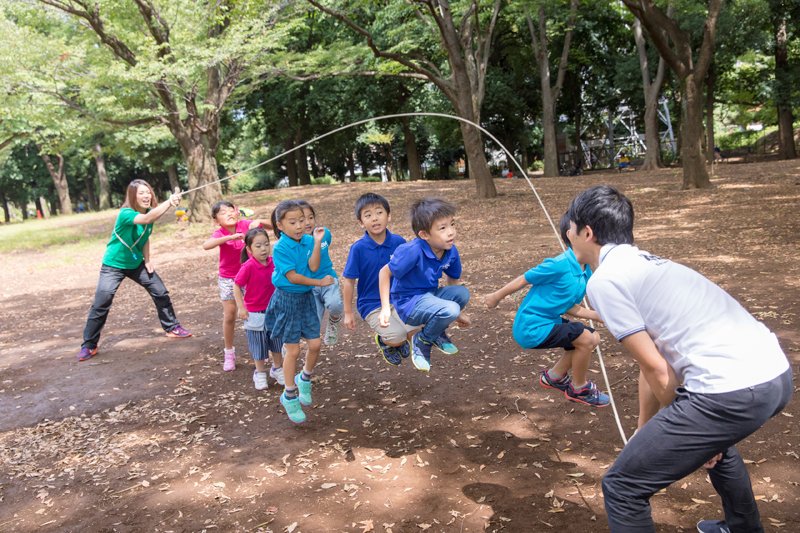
(710, 373)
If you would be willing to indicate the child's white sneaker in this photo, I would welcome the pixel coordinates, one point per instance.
(260, 380)
(229, 362)
(331, 332)
(277, 375)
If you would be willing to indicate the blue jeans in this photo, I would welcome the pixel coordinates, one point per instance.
(437, 310)
(330, 298)
(679, 439)
(107, 285)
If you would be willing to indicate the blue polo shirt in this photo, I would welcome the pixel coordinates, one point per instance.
(287, 255)
(416, 271)
(365, 260)
(325, 263)
(557, 284)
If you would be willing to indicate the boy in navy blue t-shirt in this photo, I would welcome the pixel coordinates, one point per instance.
(366, 258)
(414, 272)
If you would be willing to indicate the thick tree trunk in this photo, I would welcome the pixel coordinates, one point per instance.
(202, 169)
(550, 140)
(23, 208)
(351, 166)
(652, 141)
(172, 176)
(102, 178)
(711, 82)
(783, 90)
(414, 168)
(41, 206)
(291, 162)
(695, 174)
(314, 164)
(91, 197)
(59, 182)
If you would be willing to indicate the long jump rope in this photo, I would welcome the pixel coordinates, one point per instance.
(512, 158)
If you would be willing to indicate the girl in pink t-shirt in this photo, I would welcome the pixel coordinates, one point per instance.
(253, 289)
(230, 240)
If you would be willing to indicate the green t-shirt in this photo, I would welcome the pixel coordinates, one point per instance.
(128, 253)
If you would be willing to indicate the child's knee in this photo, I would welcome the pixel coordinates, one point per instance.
(451, 310)
(461, 296)
(587, 340)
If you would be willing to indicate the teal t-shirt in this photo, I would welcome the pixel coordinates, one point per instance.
(125, 249)
(288, 255)
(557, 284)
(325, 263)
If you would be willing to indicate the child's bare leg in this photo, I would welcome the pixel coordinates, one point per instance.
(584, 345)
(228, 322)
(290, 364)
(312, 355)
(261, 365)
(562, 366)
(277, 359)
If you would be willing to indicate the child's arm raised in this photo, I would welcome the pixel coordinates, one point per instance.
(348, 286)
(384, 286)
(239, 297)
(513, 286)
(316, 255)
(213, 242)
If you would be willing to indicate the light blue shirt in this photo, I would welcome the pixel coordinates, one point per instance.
(416, 271)
(325, 263)
(287, 255)
(557, 284)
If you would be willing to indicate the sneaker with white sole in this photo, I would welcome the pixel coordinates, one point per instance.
(421, 354)
(589, 394)
(260, 380)
(445, 345)
(277, 375)
(229, 361)
(331, 332)
(303, 390)
(712, 526)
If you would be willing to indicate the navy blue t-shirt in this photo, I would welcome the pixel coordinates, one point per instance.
(364, 262)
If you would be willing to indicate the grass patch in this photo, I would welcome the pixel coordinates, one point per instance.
(56, 231)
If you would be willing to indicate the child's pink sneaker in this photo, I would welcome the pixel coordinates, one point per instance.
(229, 363)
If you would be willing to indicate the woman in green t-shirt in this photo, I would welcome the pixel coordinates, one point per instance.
(128, 256)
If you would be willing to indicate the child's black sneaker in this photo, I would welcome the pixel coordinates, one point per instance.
(549, 383)
(390, 353)
(587, 395)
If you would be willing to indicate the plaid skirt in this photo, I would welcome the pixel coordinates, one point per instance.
(292, 316)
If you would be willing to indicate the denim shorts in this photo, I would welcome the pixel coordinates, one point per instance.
(562, 335)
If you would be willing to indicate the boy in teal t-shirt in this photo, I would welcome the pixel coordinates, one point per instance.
(557, 286)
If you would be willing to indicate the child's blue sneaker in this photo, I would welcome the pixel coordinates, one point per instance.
(587, 395)
(712, 526)
(303, 389)
(293, 409)
(404, 350)
(445, 345)
(421, 357)
(390, 353)
(549, 383)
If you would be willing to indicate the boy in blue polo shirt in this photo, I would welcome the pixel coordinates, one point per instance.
(366, 258)
(558, 285)
(414, 272)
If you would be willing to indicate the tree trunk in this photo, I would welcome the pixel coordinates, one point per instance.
(414, 168)
(291, 162)
(314, 164)
(711, 82)
(651, 89)
(303, 177)
(695, 174)
(202, 169)
(351, 166)
(23, 208)
(172, 176)
(102, 178)
(41, 206)
(550, 140)
(60, 182)
(91, 198)
(783, 89)
(6, 210)
(652, 140)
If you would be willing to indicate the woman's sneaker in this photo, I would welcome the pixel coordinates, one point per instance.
(229, 361)
(293, 409)
(390, 353)
(587, 395)
(260, 380)
(549, 383)
(277, 375)
(303, 390)
(179, 332)
(86, 353)
(445, 345)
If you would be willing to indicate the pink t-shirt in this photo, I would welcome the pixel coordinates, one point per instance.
(256, 279)
(230, 253)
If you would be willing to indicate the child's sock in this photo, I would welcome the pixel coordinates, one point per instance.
(230, 350)
(555, 376)
(290, 394)
(305, 376)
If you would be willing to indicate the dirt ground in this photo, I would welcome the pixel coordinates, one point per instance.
(151, 435)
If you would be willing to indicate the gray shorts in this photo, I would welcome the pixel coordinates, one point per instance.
(225, 288)
(395, 333)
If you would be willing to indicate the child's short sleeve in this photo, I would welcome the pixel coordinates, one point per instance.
(403, 260)
(616, 307)
(243, 277)
(283, 259)
(545, 272)
(454, 270)
(351, 267)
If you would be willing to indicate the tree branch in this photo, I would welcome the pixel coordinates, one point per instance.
(562, 65)
(658, 24)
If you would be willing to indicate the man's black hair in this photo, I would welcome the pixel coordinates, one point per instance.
(368, 199)
(426, 211)
(563, 226)
(607, 211)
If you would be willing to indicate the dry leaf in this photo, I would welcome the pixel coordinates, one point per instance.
(366, 526)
